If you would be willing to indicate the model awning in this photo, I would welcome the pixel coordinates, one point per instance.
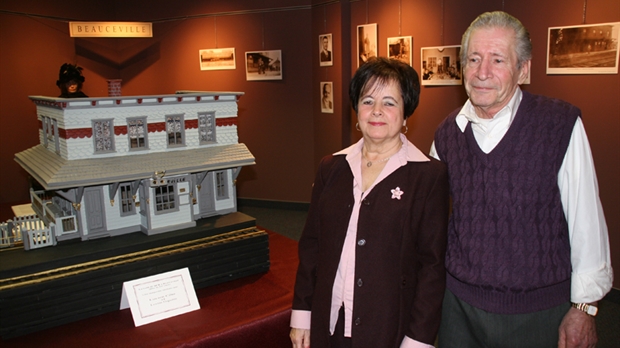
(54, 172)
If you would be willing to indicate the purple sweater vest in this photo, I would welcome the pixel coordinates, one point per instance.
(508, 248)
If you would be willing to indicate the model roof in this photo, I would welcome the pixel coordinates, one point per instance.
(53, 172)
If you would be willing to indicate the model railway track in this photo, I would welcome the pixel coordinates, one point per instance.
(61, 272)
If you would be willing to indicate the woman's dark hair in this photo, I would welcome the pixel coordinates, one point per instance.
(382, 71)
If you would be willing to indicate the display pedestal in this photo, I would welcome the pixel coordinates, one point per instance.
(74, 280)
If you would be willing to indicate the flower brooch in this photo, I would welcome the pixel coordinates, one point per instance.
(396, 193)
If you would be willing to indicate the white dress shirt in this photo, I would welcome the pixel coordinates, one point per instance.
(592, 275)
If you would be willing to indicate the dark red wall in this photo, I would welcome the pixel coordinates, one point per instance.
(275, 117)
(281, 121)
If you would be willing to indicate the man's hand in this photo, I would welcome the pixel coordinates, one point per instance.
(577, 330)
(300, 338)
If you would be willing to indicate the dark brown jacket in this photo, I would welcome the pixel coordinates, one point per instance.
(400, 250)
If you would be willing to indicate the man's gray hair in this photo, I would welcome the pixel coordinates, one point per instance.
(500, 19)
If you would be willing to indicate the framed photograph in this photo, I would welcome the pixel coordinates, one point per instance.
(366, 42)
(217, 59)
(400, 47)
(583, 49)
(441, 65)
(327, 98)
(325, 50)
(263, 65)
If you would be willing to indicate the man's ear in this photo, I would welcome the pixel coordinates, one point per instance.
(524, 72)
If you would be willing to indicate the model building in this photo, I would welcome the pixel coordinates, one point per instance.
(116, 165)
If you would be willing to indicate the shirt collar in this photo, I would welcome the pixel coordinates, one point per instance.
(407, 153)
(468, 113)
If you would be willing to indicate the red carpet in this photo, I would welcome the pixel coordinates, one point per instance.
(248, 312)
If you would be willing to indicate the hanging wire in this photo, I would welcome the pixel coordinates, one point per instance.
(325, 18)
(215, 29)
(367, 11)
(400, 16)
(263, 30)
(182, 18)
(321, 42)
(196, 16)
(442, 20)
(585, 4)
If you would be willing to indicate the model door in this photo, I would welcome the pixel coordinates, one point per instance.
(205, 196)
(95, 214)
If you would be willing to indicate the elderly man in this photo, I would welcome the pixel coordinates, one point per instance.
(326, 54)
(528, 250)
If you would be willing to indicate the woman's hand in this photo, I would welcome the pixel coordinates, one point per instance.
(300, 338)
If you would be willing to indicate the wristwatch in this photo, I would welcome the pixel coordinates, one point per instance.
(588, 308)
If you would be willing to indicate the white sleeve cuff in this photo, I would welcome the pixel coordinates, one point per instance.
(411, 343)
(300, 319)
(591, 286)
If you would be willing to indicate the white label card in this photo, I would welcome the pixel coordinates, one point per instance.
(160, 296)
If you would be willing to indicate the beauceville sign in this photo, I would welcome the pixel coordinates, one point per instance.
(110, 29)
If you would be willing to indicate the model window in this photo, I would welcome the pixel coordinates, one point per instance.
(206, 128)
(175, 127)
(103, 135)
(137, 132)
(46, 129)
(221, 185)
(66, 213)
(165, 198)
(127, 203)
(65, 207)
(49, 129)
(55, 135)
(50, 133)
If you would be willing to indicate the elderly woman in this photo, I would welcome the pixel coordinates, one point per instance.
(371, 256)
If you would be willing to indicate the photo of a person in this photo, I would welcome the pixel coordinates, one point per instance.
(327, 100)
(263, 65)
(325, 50)
(367, 42)
(441, 65)
(400, 48)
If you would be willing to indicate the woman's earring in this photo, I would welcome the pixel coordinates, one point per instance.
(406, 129)
(357, 126)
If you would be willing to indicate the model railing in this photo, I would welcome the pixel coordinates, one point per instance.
(51, 214)
(30, 230)
(38, 202)
(35, 233)
(9, 236)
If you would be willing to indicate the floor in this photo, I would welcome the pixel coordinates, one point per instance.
(287, 222)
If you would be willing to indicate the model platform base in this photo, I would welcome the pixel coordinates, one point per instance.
(75, 280)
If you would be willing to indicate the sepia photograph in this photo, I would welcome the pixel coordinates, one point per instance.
(366, 42)
(583, 49)
(400, 48)
(217, 59)
(441, 65)
(263, 65)
(327, 98)
(326, 57)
